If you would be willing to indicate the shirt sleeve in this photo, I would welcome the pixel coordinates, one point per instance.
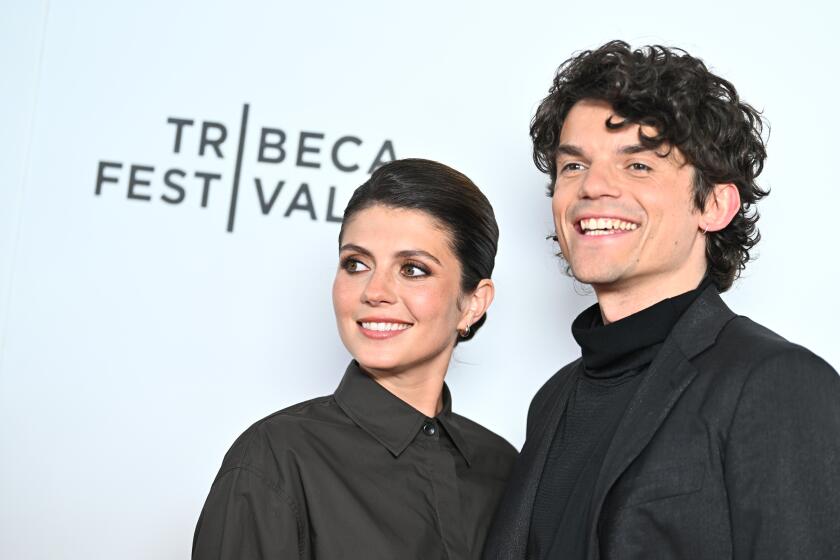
(783, 460)
(247, 518)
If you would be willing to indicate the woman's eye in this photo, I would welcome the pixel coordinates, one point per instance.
(354, 265)
(413, 271)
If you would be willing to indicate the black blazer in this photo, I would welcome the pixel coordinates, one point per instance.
(730, 448)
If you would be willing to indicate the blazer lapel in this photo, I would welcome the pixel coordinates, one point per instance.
(508, 535)
(666, 379)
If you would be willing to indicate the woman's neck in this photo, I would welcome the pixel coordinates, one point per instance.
(421, 387)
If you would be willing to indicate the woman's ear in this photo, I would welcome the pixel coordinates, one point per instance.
(721, 206)
(477, 303)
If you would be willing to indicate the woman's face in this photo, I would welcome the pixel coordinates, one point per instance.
(397, 291)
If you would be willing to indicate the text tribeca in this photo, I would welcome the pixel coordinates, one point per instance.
(346, 154)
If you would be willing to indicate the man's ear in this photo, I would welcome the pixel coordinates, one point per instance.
(477, 303)
(721, 206)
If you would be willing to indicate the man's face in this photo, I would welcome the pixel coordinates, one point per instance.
(624, 215)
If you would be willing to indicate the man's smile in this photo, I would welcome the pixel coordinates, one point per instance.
(593, 226)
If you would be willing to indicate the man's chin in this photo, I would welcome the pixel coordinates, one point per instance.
(594, 278)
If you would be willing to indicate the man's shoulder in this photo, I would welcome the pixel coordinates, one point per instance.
(752, 350)
(546, 395)
(555, 381)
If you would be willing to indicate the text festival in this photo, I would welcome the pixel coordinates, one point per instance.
(306, 150)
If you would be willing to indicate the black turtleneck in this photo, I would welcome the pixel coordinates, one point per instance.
(614, 360)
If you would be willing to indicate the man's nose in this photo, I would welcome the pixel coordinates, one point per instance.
(599, 180)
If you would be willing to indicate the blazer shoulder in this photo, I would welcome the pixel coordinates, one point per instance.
(762, 343)
(545, 396)
(757, 352)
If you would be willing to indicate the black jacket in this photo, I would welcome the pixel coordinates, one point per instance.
(730, 448)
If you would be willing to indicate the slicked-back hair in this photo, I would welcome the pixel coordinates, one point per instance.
(448, 197)
(690, 108)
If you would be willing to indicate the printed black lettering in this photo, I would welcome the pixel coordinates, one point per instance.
(303, 192)
(340, 142)
(387, 147)
(135, 181)
(265, 144)
(266, 206)
(304, 149)
(330, 206)
(179, 127)
(167, 180)
(208, 178)
(100, 174)
(214, 143)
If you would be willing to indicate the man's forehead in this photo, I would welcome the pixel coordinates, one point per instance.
(594, 124)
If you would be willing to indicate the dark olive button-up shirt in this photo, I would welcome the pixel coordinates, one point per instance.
(357, 475)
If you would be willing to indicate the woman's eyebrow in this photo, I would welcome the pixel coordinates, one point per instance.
(418, 253)
(355, 249)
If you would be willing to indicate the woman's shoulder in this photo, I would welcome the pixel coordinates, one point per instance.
(270, 446)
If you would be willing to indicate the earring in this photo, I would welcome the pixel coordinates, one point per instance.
(465, 333)
(705, 229)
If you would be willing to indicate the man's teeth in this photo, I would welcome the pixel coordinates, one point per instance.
(605, 226)
(385, 326)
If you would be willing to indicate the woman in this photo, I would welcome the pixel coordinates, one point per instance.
(382, 468)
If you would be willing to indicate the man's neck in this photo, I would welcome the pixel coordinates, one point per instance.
(620, 301)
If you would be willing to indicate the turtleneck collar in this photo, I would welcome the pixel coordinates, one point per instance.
(632, 342)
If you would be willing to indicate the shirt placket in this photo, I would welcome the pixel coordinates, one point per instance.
(441, 461)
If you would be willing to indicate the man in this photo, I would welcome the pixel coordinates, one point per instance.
(684, 430)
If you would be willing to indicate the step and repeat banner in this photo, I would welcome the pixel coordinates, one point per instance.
(173, 177)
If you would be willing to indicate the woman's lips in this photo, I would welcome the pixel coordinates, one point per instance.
(382, 328)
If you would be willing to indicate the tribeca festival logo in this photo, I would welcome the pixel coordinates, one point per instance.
(278, 147)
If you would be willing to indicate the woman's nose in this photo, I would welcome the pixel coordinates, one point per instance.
(379, 288)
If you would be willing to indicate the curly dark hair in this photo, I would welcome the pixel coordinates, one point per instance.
(691, 109)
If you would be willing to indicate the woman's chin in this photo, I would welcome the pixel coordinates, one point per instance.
(380, 364)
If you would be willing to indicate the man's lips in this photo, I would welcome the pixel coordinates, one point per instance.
(378, 328)
(597, 226)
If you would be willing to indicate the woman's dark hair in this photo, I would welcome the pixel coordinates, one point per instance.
(451, 199)
(691, 109)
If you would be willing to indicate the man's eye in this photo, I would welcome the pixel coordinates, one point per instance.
(354, 265)
(572, 166)
(639, 166)
(414, 271)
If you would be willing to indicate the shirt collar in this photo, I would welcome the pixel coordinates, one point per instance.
(631, 342)
(388, 419)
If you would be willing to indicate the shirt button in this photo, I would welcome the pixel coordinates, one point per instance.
(429, 428)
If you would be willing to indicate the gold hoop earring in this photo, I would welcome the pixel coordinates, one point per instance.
(464, 333)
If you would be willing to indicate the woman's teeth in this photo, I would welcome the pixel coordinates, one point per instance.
(385, 326)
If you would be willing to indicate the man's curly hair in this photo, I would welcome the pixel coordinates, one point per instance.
(691, 109)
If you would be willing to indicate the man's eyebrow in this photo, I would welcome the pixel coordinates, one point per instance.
(569, 150)
(418, 253)
(635, 149)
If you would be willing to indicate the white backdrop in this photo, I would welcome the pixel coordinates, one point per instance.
(139, 337)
